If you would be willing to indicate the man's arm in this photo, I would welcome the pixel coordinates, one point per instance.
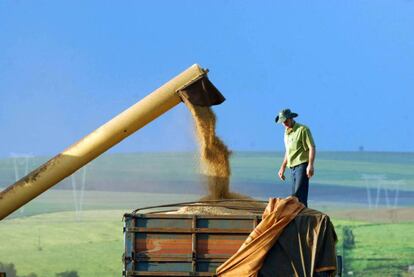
(282, 168)
(310, 168)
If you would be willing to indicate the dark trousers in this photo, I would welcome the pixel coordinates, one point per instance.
(300, 185)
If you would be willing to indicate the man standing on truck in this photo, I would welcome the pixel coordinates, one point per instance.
(299, 154)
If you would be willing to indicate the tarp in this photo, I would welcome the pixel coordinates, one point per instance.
(248, 260)
(305, 248)
(291, 240)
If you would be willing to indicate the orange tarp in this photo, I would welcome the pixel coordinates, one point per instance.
(248, 260)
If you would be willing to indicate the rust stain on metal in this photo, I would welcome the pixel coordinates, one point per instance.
(5, 191)
(33, 176)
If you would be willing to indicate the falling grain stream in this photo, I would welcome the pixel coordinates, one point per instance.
(214, 155)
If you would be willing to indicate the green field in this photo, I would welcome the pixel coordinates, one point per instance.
(63, 200)
(57, 242)
(381, 249)
(156, 172)
(93, 246)
(48, 237)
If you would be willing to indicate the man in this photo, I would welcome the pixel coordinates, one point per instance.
(299, 154)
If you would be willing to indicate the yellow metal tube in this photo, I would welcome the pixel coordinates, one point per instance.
(97, 142)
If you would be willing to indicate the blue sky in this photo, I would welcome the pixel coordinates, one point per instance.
(346, 67)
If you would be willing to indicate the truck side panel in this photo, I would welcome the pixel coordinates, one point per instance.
(182, 245)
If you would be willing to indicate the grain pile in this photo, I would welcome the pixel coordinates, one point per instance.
(210, 210)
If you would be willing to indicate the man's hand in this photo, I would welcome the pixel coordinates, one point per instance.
(309, 170)
(282, 173)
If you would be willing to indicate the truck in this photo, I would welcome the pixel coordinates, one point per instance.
(159, 242)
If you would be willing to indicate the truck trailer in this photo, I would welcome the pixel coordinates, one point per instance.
(159, 241)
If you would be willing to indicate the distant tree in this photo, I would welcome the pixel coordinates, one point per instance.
(11, 270)
(349, 238)
(67, 274)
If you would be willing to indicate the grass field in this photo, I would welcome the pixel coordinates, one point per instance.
(93, 246)
(63, 200)
(156, 172)
(56, 242)
(381, 249)
(48, 237)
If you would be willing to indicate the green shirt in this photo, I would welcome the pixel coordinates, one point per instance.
(298, 140)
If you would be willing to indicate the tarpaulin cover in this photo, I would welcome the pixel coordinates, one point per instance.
(305, 248)
(291, 240)
(248, 260)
